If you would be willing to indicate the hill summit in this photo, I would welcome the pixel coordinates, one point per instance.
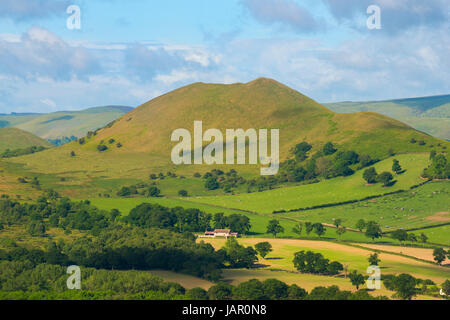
(139, 142)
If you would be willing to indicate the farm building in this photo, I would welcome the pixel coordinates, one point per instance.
(219, 233)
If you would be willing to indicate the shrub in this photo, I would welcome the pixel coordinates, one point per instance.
(102, 147)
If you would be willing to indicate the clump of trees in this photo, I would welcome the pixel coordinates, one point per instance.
(310, 262)
(235, 222)
(439, 168)
(371, 176)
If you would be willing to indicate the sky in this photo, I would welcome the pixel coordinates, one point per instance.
(126, 52)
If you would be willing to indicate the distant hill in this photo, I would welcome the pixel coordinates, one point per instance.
(13, 138)
(138, 143)
(427, 114)
(62, 124)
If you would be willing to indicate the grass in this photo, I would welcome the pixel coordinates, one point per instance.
(355, 258)
(144, 134)
(329, 191)
(412, 209)
(13, 138)
(438, 234)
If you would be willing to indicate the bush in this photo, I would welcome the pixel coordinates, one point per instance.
(153, 192)
(102, 147)
(183, 193)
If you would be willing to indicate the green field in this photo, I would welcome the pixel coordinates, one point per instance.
(438, 234)
(355, 258)
(422, 206)
(258, 222)
(329, 191)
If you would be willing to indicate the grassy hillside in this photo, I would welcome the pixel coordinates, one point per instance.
(329, 191)
(427, 114)
(144, 133)
(13, 138)
(65, 123)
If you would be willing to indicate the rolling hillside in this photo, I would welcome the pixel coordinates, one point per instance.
(139, 142)
(427, 114)
(64, 123)
(13, 138)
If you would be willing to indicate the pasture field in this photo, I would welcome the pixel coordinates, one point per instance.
(438, 234)
(329, 191)
(420, 253)
(419, 207)
(354, 258)
(258, 221)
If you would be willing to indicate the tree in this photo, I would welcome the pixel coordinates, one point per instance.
(297, 229)
(102, 147)
(361, 224)
(328, 149)
(432, 154)
(274, 227)
(396, 166)
(334, 267)
(36, 228)
(237, 255)
(263, 248)
(197, 294)
(296, 293)
(300, 150)
(385, 178)
(249, 290)
(356, 279)
(370, 175)
(221, 291)
(340, 231)
(439, 255)
(72, 153)
(275, 289)
(211, 183)
(153, 192)
(308, 227)
(400, 235)
(412, 237)
(423, 238)
(319, 229)
(373, 230)
(405, 286)
(373, 259)
(446, 287)
(337, 222)
(183, 193)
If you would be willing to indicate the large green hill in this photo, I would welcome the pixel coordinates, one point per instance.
(139, 142)
(427, 114)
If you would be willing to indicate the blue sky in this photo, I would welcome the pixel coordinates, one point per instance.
(128, 52)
